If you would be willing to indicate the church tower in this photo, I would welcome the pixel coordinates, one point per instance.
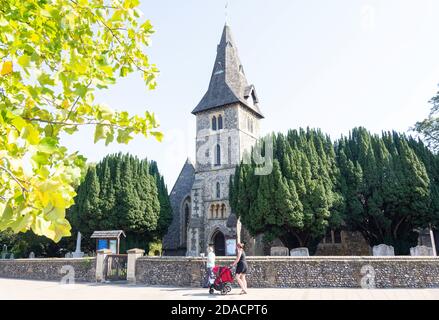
(227, 124)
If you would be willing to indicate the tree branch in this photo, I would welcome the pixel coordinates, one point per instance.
(112, 33)
(397, 227)
(63, 123)
(14, 178)
(74, 103)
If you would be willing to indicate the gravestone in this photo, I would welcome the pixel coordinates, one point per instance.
(4, 251)
(11, 256)
(78, 253)
(383, 250)
(32, 255)
(279, 251)
(68, 255)
(421, 251)
(299, 252)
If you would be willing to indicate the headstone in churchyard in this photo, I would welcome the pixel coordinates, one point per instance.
(68, 255)
(78, 253)
(383, 250)
(279, 251)
(32, 255)
(11, 256)
(421, 251)
(299, 252)
(4, 251)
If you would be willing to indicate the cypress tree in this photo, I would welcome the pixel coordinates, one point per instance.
(122, 192)
(297, 201)
(165, 217)
(386, 188)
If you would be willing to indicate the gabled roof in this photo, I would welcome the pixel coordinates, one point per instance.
(107, 234)
(232, 221)
(180, 190)
(186, 172)
(228, 83)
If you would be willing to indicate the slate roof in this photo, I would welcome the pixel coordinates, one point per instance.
(232, 221)
(181, 189)
(228, 83)
(107, 234)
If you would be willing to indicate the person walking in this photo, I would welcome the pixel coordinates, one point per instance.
(209, 265)
(241, 267)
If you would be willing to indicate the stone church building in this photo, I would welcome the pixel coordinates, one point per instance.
(227, 124)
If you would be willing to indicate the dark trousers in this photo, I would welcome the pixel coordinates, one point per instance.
(208, 276)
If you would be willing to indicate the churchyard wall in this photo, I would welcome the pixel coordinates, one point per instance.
(50, 269)
(300, 272)
(264, 272)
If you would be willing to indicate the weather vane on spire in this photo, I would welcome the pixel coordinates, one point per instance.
(226, 13)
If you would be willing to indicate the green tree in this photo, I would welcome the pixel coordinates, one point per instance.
(431, 163)
(122, 192)
(54, 55)
(429, 127)
(385, 186)
(300, 199)
(382, 186)
(165, 218)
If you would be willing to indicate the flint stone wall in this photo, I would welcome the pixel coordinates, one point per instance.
(48, 269)
(297, 272)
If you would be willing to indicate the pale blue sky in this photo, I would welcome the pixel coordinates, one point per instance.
(329, 64)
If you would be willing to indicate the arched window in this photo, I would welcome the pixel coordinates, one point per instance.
(213, 123)
(217, 211)
(212, 207)
(220, 122)
(185, 216)
(218, 155)
(223, 211)
(218, 191)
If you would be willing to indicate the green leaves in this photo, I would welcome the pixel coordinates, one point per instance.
(386, 187)
(45, 79)
(6, 216)
(55, 54)
(24, 60)
(157, 135)
(30, 134)
(100, 132)
(129, 4)
(299, 199)
(429, 127)
(122, 192)
(48, 145)
(382, 186)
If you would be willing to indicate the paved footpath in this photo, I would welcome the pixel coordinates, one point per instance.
(27, 289)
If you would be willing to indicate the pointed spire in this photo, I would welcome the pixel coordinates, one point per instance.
(228, 83)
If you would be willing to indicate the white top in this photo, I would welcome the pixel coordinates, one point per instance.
(211, 260)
